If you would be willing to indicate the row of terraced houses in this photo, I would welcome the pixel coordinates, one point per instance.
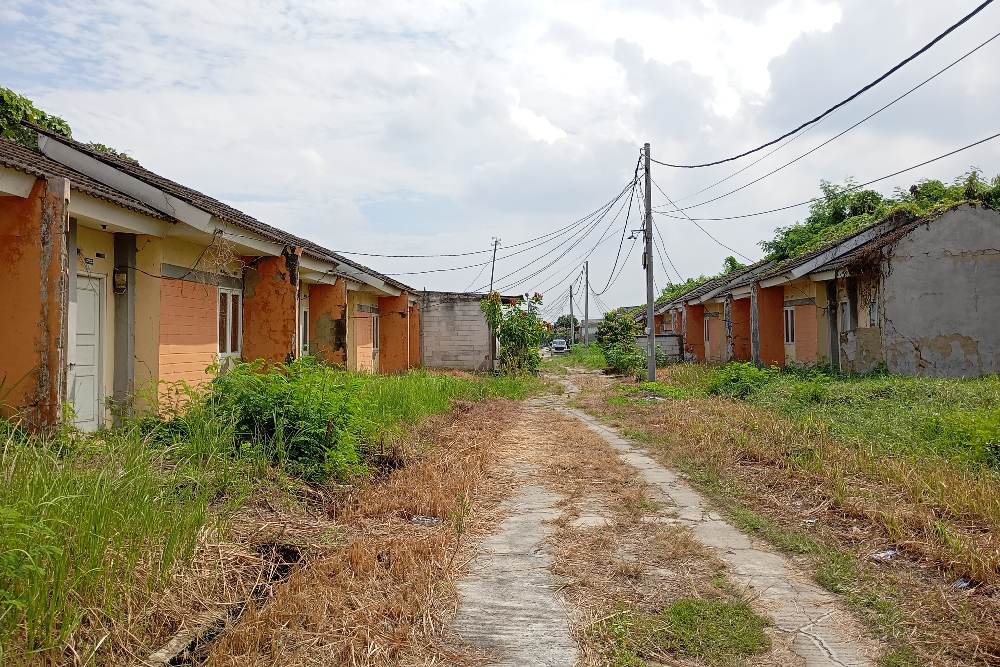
(917, 297)
(118, 282)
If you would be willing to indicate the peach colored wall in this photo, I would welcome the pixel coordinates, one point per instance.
(328, 322)
(741, 329)
(34, 302)
(270, 307)
(189, 331)
(716, 333)
(415, 360)
(694, 331)
(363, 342)
(771, 325)
(806, 334)
(394, 343)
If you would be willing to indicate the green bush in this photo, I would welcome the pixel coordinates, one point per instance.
(740, 380)
(626, 358)
(616, 337)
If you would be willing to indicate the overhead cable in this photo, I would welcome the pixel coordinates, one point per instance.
(846, 100)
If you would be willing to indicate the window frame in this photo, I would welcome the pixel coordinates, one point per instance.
(376, 329)
(304, 330)
(789, 325)
(238, 351)
(707, 329)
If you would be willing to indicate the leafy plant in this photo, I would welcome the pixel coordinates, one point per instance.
(15, 109)
(519, 333)
(616, 337)
(740, 380)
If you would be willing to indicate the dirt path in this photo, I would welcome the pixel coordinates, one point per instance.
(597, 524)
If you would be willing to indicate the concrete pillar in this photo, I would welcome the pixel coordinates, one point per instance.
(123, 288)
(270, 303)
(727, 325)
(328, 322)
(767, 325)
(694, 332)
(394, 329)
(832, 308)
(34, 301)
(415, 346)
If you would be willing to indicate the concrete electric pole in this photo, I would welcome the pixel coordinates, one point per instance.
(493, 334)
(647, 261)
(586, 303)
(572, 329)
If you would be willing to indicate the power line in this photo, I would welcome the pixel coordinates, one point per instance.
(664, 244)
(848, 189)
(836, 106)
(842, 133)
(692, 220)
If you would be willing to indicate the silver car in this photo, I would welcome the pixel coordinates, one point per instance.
(559, 346)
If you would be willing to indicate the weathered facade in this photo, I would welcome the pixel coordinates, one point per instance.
(121, 284)
(918, 297)
(454, 332)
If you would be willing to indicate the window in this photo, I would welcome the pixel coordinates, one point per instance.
(844, 310)
(790, 325)
(230, 322)
(706, 329)
(872, 314)
(375, 330)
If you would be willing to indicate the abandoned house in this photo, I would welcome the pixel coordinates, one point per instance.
(918, 297)
(119, 281)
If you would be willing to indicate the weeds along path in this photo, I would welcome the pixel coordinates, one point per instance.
(809, 625)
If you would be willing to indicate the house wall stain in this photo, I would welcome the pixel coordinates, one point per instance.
(328, 322)
(767, 327)
(35, 301)
(694, 332)
(740, 327)
(270, 307)
(940, 297)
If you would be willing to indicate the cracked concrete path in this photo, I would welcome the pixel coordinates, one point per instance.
(508, 603)
(819, 632)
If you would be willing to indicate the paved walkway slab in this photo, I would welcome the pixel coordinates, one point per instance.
(821, 634)
(508, 603)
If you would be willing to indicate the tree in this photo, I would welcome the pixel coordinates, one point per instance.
(519, 333)
(564, 322)
(14, 109)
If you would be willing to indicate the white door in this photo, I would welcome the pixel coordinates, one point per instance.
(85, 370)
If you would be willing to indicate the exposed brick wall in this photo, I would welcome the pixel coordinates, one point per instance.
(328, 322)
(454, 333)
(189, 331)
(270, 286)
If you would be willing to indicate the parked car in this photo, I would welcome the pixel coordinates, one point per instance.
(559, 346)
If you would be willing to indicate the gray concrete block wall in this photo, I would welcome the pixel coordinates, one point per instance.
(454, 333)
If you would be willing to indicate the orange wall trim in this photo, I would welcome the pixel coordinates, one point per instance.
(188, 333)
(394, 344)
(328, 322)
(35, 302)
(270, 286)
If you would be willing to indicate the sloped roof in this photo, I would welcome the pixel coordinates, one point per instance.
(219, 209)
(16, 156)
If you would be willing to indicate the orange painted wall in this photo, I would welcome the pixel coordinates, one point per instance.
(659, 321)
(328, 322)
(394, 339)
(694, 331)
(806, 334)
(189, 336)
(363, 338)
(770, 314)
(270, 286)
(415, 359)
(741, 329)
(34, 303)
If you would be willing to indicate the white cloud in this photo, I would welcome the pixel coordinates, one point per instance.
(396, 126)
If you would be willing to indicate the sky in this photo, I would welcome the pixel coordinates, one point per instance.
(429, 127)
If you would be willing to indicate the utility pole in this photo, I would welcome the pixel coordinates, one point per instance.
(572, 329)
(493, 334)
(586, 303)
(647, 260)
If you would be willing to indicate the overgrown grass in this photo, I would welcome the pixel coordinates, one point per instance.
(717, 632)
(92, 525)
(579, 356)
(955, 419)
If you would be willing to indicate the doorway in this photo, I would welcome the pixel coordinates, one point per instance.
(85, 365)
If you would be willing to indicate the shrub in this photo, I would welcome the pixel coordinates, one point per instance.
(740, 380)
(299, 412)
(616, 336)
(626, 358)
(519, 332)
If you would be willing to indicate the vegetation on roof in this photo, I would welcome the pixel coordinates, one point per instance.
(17, 109)
(844, 210)
(729, 265)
